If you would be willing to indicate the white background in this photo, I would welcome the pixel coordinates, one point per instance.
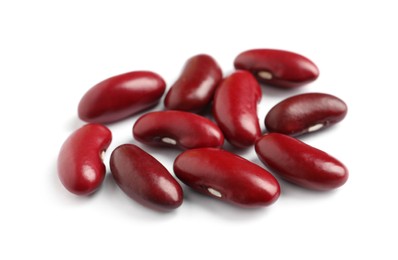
(52, 52)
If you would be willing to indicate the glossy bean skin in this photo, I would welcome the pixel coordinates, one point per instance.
(194, 89)
(179, 129)
(121, 96)
(226, 176)
(80, 166)
(300, 163)
(235, 108)
(145, 179)
(305, 113)
(279, 68)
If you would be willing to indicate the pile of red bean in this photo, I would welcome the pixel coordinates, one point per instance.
(204, 165)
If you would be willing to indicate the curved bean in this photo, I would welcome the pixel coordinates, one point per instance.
(305, 113)
(145, 179)
(180, 129)
(300, 163)
(80, 166)
(195, 87)
(121, 96)
(235, 108)
(277, 67)
(226, 176)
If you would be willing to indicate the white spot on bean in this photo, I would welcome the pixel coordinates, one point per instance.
(214, 192)
(169, 140)
(89, 173)
(102, 155)
(315, 127)
(265, 74)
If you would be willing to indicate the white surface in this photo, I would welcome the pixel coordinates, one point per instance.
(51, 53)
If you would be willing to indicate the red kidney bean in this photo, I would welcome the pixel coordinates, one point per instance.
(121, 96)
(300, 163)
(305, 113)
(80, 166)
(145, 179)
(277, 67)
(195, 87)
(235, 108)
(180, 129)
(226, 176)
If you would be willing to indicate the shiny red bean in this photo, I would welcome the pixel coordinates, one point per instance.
(300, 163)
(224, 175)
(180, 129)
(121, 96)
(305, 113)
(235, 108)
(195, 87)
(80, 166)
(145, 179)
(277, 67)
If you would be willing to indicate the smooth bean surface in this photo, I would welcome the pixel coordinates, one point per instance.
(300, 163)
(235, 108)
(145, 179)
(226, 176)
(278, 67)
(121, 96)
(305, 113)
(80, 166)
(180, 129)
(194, 89)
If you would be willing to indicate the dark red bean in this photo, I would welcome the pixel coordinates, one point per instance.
(235, 108)
(145, 179)
(300, 163)
(180, 129)
(80, 166)
(226, 176)
(277, 67)
(121, 96)
(305, 113)
(195, 87)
